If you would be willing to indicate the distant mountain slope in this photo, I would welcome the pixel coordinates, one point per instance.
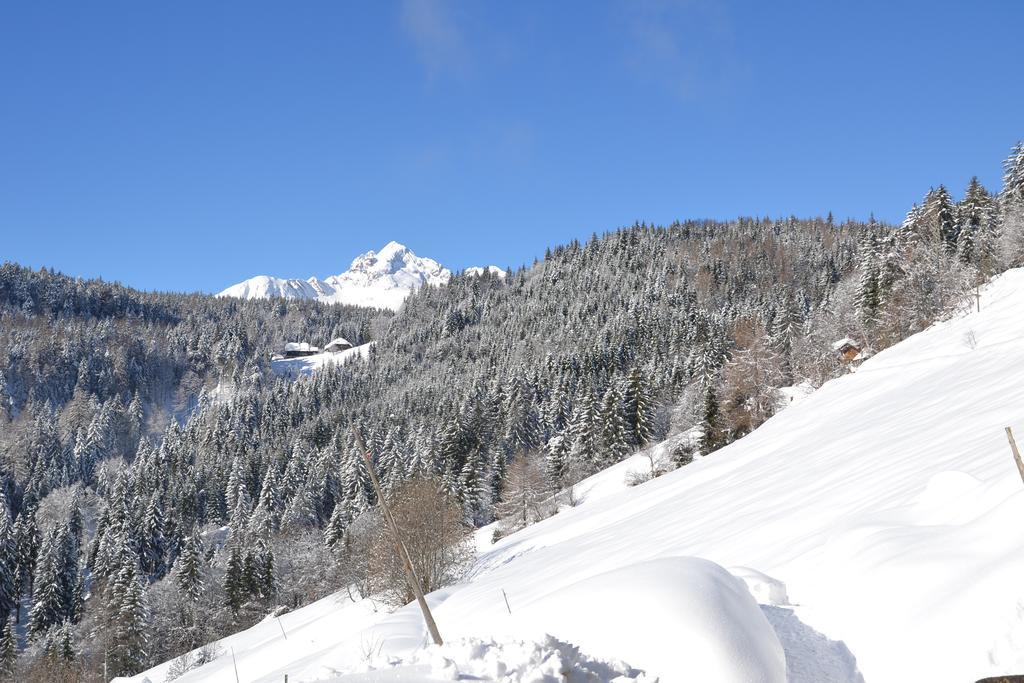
(380, 279)
(887, 504)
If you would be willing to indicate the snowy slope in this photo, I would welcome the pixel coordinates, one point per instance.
(380, 279)
(307, 365)
(885, 507)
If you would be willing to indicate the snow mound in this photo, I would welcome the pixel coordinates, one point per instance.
(765, 589)
(509, 661)
(678, 618)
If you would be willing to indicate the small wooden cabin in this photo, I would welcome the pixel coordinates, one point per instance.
(848, 349)
(299, 349)
(339, 344)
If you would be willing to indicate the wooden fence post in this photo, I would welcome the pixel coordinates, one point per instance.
(403, 552)
(1016, 453)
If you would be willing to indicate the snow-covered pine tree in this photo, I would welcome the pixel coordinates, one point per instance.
(239, 521)
(557, 452)
(54, 584)
(521, 428)
(234, 580)
(975, 220)
(266, 518)
(9, 589)
(189, 570)
(939, 218)
(869, 294)
(235, 483)
(585, 433)
(260, 577)
(638, 407)
(130, 637)
(153, 544)
(497, 472)
(59, 645)
(614, 442)
(300, 512)
(712, 436)
(1011, 207)
(8, 647)
(337, 524)
(356, 488)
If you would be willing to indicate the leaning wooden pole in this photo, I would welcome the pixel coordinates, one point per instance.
(403, 552)
(1016, 453)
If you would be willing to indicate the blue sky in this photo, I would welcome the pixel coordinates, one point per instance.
(189, 145)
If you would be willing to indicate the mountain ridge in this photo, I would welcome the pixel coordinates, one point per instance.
(378, 279)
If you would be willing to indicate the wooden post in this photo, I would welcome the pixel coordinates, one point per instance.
(403, 552)
(1016, 453)
(282, 628)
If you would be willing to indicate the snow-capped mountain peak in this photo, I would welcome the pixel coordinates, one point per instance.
(381, 279)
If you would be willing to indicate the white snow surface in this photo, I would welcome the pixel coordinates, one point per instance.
(379, 279)
(509, 661)
(877, 522)
(307, 365)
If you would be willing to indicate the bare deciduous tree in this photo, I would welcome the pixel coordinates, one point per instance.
(432, 528)
(527, 496)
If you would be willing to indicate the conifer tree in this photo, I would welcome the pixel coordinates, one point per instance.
(711, 438)
(300, 513)
(869, 294)
(8, 647)
(1011, 206)
(520, 417)
(260, 567)
(614, 446)
(557, 456)
(189, 569)
(54, 584)
(239, 521)
(130, 639)
(584, 430)
(638, 408)
(337, 525)
(940, 219)
(59, 646)
(235, 589)
(498, 471)
(153, 544)
(9, 588)
(974, 216)
(266, 518)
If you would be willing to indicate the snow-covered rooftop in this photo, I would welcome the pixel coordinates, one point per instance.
(300, 346)
(844, 342)
(339, 341)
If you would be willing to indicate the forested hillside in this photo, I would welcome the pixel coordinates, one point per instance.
(136, 425)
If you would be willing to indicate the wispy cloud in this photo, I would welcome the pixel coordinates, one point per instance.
(434, 30)
(688, 46)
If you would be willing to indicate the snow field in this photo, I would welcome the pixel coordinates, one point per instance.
(885, 507)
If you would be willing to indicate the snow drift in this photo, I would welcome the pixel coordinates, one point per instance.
(885, 507)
